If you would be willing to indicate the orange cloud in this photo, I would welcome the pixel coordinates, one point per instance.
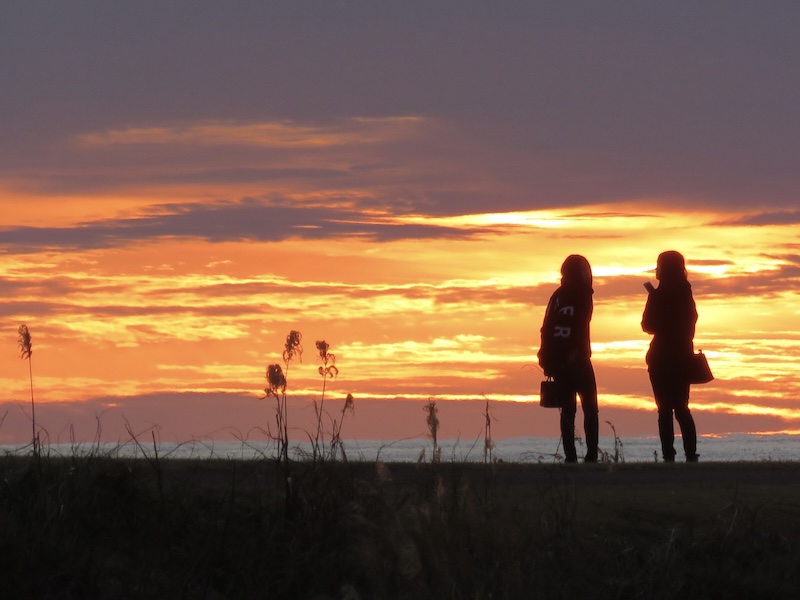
(276, 134)
(451, 318)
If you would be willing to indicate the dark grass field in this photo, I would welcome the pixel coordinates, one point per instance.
(93, 527)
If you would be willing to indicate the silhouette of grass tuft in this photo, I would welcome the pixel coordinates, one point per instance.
(98, 527)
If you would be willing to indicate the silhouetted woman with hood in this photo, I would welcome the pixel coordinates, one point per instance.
(566, 352)
(670, 315)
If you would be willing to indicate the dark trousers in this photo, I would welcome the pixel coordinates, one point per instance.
(672, 397)
(579, 380)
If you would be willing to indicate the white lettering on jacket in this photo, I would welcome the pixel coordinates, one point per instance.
(562, 331)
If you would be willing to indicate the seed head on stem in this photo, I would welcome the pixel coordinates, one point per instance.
(292, 347)
(26, 351)
(25, 343)
(328, 368)
(276, 380)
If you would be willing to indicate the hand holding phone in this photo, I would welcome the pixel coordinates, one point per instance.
(649, 287)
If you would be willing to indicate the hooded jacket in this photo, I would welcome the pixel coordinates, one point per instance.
(565, 331)
(670, 315)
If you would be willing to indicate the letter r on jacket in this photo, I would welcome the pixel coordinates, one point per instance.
(562, 331)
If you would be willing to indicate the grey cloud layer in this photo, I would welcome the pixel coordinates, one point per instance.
(219, 223)
(554, 103)
(254, 220)
(788, 217)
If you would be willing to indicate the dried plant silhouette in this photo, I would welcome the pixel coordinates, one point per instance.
(336, 441)
(619, 454)
(488, 444)
(328, 370)
(277, 379)
(276, 387)
(26, 353)
(432, 421)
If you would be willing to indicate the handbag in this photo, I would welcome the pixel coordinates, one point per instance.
(550, 394)
(699, 371)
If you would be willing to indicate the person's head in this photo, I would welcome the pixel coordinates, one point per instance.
(671, 266)
(576, 270)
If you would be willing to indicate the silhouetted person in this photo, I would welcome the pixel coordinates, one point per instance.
(670, 315)
(566, 351)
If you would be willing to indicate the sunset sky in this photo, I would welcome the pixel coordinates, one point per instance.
(184, 183)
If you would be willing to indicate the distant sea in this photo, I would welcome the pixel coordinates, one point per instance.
(732, 447)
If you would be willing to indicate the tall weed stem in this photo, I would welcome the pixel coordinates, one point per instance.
(26, 353)
(328, 370)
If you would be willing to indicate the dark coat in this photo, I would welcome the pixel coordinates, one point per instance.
(670, 316)
(565, 331)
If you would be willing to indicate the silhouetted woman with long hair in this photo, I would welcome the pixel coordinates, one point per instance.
(670, 316)
(566, 352)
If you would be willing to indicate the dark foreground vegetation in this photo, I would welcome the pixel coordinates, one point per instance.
(95, 527)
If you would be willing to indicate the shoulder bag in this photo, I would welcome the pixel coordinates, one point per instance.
(550, 394)
(699, 371)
